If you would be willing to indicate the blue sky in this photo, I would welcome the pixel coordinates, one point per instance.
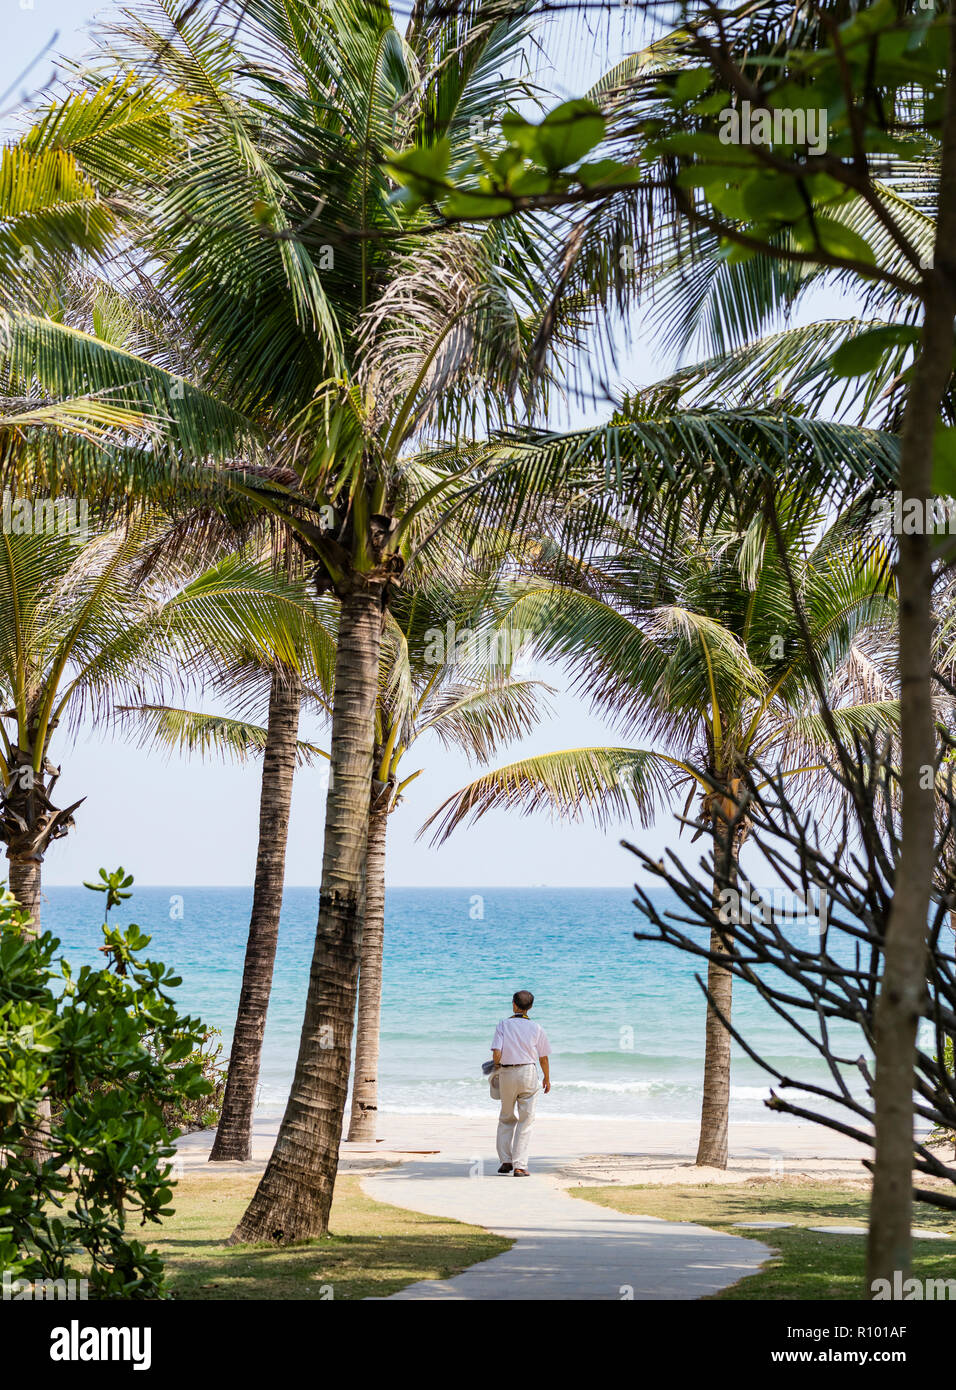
(177, 821)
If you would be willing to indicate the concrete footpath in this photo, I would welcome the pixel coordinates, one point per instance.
(565, 1248)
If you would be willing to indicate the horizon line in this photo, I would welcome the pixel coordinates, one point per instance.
(395, 887)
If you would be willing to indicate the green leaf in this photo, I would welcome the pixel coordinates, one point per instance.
(504, 163)
(691, 83)
(773, 198)
(521, 133)
(564, 136)
(429, 161)
(606, 171)
(712, 105)
(422, 169)
(833, 238)
(865, 352)
(825, 190)
(735, 254)
(701, 144)
(869, 20)
(476, 205)
(728, 199)
(530, 182)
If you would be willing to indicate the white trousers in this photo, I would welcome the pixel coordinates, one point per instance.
(519, 1091)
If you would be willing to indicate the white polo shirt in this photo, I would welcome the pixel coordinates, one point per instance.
(521, 1040)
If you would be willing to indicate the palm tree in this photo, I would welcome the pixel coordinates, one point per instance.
(242, 735)
(283, 246)
(447, 674)
(430, 681)
(70, 398)
(234, 1130)
(694, 640)
(81, 633)
(276, 741)
(58, 183)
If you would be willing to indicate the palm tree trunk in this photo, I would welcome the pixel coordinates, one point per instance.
(715, 1101)
(903, 990)
(293, 1198)
(365, 1075)
(25, 880)
(234, 1133)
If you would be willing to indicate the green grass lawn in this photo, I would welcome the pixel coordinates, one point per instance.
(376, 1249)
(806, 1264)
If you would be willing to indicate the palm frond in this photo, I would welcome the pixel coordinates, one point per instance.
(210, 735)
(605, 784)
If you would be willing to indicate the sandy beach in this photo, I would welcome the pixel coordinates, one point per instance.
(576, 1151)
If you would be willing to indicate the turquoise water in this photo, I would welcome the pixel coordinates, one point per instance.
(625, 1018)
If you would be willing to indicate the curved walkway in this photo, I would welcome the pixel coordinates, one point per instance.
(565, 1248)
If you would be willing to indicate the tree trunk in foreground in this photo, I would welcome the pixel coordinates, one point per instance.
(26, 877)
(294, 1196)
(903, 991)
(234, 1133)
(715, 1101)
(362, 1123)
(25, 881)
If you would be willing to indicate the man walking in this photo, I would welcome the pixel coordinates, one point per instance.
(516, 1048)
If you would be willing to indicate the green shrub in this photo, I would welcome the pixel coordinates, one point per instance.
(201, 1112)
(90, 1065)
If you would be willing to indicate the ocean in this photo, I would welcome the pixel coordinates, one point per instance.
(625, 1018)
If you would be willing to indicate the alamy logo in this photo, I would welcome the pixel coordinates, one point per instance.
(757, 125)
(14, 1290)
(913, 516)
(913, 1290)
(45, 516)
(774, 906)
(76, 1343)
(483, 647)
